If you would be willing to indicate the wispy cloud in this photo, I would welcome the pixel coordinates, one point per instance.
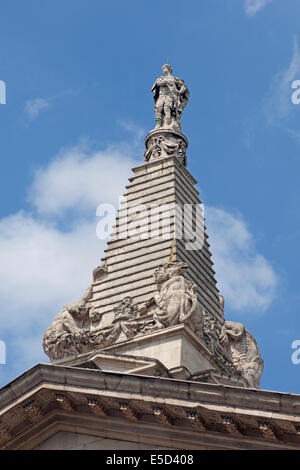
(278, 105)
(138, 132)
(33, 108)
(276, 109)
(245, 278)
(254, 6)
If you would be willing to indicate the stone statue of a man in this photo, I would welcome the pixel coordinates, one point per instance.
(171, 96)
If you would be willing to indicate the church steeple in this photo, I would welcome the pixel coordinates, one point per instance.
(164, 312)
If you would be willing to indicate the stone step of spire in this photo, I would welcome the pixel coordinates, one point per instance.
(130, 263)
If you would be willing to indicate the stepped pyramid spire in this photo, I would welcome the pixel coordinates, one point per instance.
(153, 307)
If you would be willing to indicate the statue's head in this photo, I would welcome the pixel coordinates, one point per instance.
(77, 310)
(167, 69)
(165, 271)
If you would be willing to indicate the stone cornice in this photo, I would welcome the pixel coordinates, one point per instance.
(224, 416)
(237, 398)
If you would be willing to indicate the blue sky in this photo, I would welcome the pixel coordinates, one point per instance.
(78, 77)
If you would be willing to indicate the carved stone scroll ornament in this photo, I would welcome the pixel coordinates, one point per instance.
(154, 148)
(165, 146)
(72, 333)
(212, 335)
(100, 271)
(125, 310)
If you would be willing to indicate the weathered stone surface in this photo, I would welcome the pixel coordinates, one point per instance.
(177, 298)
(164, 143)
(78, 441)
(243, 351)
(60, 338)
(171, 96)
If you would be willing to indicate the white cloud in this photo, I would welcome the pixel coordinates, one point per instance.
(254, 6)
(277, 104)
(80, 179)
(277, 108)
(138, 132)
(245, 278)
(33, 108)
(43, 267)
